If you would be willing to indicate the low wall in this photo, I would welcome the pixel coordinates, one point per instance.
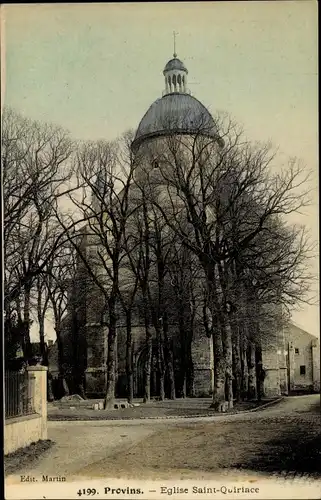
(22, 431)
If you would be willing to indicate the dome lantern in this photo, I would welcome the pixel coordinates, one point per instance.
(175, 74)
(175, 77)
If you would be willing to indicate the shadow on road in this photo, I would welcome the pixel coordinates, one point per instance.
(296, 451)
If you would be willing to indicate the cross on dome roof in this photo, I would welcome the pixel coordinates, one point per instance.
(174, 35)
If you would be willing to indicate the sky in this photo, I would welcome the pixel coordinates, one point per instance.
(94, 69)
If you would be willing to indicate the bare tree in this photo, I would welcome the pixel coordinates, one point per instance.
(36, 166)
(106, 170)
(187, 300)
(203, 187)
(139, 258)
(127, 295)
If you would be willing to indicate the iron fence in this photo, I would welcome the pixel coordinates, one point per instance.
(18, 397)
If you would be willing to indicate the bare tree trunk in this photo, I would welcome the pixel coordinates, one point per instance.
(65, 387)
(43, 350)
(228, 354)
(183, 357)
(148, 363)
(50, 396)
(169, 357)
(190, 391)
(129, 358)
(259, 373)
(162, 386)
(111, 372)
(218, 402)
(189, 369)
(237, 363)
(59, 345)
(245, 370)
(219, 363)
(41, 310)
(252, 391)
(61, 374)
(74, 372)
(219, 371)
(44, 353)
(43, 346)
(26, 318)
(160, 362)
(111, 355)
(149, 343)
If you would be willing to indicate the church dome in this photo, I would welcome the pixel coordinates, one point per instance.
(175, 64)
(176, 113)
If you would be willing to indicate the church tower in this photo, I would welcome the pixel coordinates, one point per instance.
(176, 113)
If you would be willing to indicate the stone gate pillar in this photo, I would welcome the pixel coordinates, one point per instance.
(37, 379)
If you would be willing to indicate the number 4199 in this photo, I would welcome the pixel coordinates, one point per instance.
(86, 491)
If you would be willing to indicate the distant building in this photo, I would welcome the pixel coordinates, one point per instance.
(303, 360)
(292, 363)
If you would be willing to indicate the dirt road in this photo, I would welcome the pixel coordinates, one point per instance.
(186, 447)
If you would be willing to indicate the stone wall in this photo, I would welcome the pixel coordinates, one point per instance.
(272, 381)
(96, 344)
(95, 381)
(275, 362)
(202, 355)
(22, 431)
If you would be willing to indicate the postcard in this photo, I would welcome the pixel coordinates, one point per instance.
(160, 240)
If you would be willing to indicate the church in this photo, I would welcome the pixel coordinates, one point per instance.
(291, 364)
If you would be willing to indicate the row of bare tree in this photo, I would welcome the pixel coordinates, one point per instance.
(193, 232)
(36, 170)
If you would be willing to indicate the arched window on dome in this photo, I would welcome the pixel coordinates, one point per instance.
(179, 81)
(170, 83)
(183, 83)
(174, 82)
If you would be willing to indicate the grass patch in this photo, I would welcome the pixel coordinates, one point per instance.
(159, 409)
(20, 459)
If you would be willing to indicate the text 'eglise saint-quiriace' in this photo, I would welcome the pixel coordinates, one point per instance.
(197, 490)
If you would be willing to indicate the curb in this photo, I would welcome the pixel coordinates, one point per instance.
(206, 415)
(270, 403)
(171, 417)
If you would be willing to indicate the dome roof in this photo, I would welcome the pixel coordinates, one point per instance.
(175, 113)
(175, 64)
